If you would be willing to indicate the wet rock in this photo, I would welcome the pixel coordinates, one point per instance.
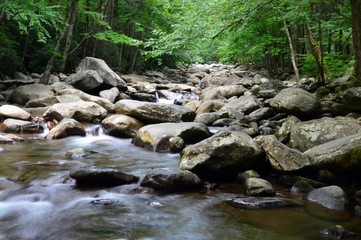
(119, 125)
(221, 156)
(104, 202)
(79, 153)
(258, 187)
(85, 80)
(22, 94)
(101, 177)
(9, 111)
(19, 126)
(182, 181)
(340, 156)
(302, 186)
(9, 138)
(242, 177)
(154, 112)
(66, 127)
(225, 122)
(80, 111)
(110, 78)
(338, 232)
(264, 202)
(295, 101)
(176, 144)
(328, 202)
(105, 103)
(157, 136)
(281, 157)
(290, 180)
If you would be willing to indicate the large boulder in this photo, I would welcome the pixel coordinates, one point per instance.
(22, 94)
(66, 127)
(110, 78)
(331, 199)
(110, 94)
(119, 125)
(85, 80)
(281, 157)
(49, 101)
(81, 111)
(222, 92)
(154, 112)
(101, 177)
(157, 136)
(340, 156)
(105, 103)
(244, 104)
(20, 126)
(351, 99)
(221, 156)
(295, 101)
(10, 111)
(305, 135)
(258, 187)
(182, 181)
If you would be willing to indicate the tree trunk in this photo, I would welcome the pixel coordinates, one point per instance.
(86, 43)
(292, 52)
(316, 52)
(69, 37)
(356, 37)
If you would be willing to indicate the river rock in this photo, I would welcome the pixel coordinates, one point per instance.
(22, 94)
(264, 202)
(244, 104)
(351, 99)
(284, 132)
(281, 157)
(79, 153)
(331, 199)
(101, 177)
(110, 94)
(154, 112)
(261, 114)
(205, 107)
(10, 111)
(49, 101)
(338, 232)
(341, 156)
(85, 80)
(305, 135)
(302, 187)
(19, 126)
(110, 78)
(66, 127)
(9, 138)
(119, 125)
(182, 181)
(157, 136)
(209, 118)
(295, 101)
(258, 187)
(222, 92)
(105, 103)
(222, 155)
(57, 87)
(80, 111)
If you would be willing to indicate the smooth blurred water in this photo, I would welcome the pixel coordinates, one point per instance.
(39, 201)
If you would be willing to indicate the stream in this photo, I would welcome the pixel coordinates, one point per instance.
(39, 201)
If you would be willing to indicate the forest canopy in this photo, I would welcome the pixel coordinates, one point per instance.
(289, 38)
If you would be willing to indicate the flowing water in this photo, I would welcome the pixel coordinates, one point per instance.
(39, 201)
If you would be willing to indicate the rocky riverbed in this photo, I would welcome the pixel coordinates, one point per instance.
(284, 144)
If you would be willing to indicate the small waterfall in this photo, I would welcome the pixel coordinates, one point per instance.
(94, 130)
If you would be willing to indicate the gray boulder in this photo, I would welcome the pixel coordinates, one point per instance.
(22, 94)
(85, 80)
(154, 112)
(110, 78)
(281, 157)
(80, 111)
(222, 92)
(339, 156)
(105, 103)
(119, 125)
(110, 94)
(258, 187)
(20, 126)
(351, 99)
(9, 138)
(157, 136)
(305, 135)
(10, 111)
(182, 181)
(331, 199)
(244, 104)
(209, 118)
(222, 155)
(49, 101)
(295, 101)
(66, 127)
(101, 177)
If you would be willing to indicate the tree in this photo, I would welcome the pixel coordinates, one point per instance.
(356, 37)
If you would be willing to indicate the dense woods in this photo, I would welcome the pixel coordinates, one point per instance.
(316, 38)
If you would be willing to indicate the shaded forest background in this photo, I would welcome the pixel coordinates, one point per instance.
(314, 38)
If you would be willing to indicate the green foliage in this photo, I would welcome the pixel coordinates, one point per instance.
(8, 56)
(117, 38)
(32, 15)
